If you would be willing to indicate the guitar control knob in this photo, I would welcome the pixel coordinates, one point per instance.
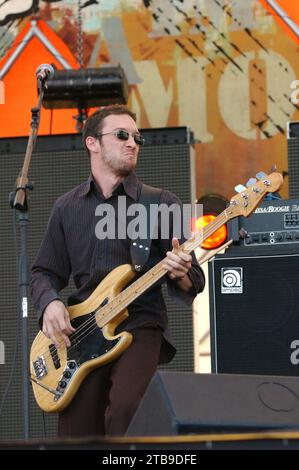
(72, 365)
(62, 384)
(67, 374)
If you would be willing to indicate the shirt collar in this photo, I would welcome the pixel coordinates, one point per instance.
(131, 184)
(85, 187)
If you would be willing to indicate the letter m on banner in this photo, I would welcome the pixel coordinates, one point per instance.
(2, 92)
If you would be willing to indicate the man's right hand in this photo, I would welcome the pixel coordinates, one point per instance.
(56, 322)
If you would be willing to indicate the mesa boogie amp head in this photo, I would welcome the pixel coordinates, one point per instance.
(273, 223)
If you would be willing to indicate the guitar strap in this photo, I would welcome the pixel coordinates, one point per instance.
(140, 248)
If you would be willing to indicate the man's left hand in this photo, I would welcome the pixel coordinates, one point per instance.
(177, 262)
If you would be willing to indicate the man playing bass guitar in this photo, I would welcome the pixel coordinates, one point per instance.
(109, 395)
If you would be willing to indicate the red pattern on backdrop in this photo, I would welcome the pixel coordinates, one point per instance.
(15, 115)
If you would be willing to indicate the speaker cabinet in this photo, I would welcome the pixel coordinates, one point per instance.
(185, 403)
(254, 306)
(58, 164)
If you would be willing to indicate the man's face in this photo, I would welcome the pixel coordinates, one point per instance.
(120, 156)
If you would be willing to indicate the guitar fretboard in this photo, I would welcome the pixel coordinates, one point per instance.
(127, 296)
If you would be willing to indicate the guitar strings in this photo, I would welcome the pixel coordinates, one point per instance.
(208, 230)
(90, 325)
(191, 244)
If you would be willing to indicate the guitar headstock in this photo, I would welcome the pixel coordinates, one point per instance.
(245, 202)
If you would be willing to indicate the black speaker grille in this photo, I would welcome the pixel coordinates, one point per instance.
(293, 163)
(252, 331)
(167, 167)
(55, 169)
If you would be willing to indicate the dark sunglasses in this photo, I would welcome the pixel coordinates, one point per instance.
(124, 135)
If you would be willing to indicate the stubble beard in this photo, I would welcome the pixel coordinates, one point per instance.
(118, 168)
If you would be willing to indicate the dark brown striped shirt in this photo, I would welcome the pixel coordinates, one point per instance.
(70, 246)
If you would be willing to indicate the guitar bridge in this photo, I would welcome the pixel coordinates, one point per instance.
(40, 367)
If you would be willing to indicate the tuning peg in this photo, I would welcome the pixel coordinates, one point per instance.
(261, 175)
(239, 188)
(251, 182)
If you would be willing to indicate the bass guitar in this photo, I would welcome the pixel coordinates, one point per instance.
(57, 372)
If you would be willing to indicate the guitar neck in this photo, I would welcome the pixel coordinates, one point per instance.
(241, 204)
(132, 292)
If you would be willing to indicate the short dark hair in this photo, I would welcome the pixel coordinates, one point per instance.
(94, 123)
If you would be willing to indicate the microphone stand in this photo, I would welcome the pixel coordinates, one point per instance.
(19, 201)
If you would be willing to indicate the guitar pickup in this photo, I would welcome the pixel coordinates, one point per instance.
(40, 367)
(54, 355)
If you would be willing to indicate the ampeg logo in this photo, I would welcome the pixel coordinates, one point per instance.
(231, 280)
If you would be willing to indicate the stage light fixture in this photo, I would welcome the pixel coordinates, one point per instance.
(86, 88)
(213, 205)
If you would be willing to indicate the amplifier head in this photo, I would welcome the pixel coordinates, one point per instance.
(273, 223)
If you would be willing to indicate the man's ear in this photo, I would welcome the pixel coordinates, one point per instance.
(92, 144)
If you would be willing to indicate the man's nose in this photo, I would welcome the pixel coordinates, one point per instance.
(131, 141)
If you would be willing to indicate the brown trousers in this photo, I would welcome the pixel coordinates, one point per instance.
(109, 396)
